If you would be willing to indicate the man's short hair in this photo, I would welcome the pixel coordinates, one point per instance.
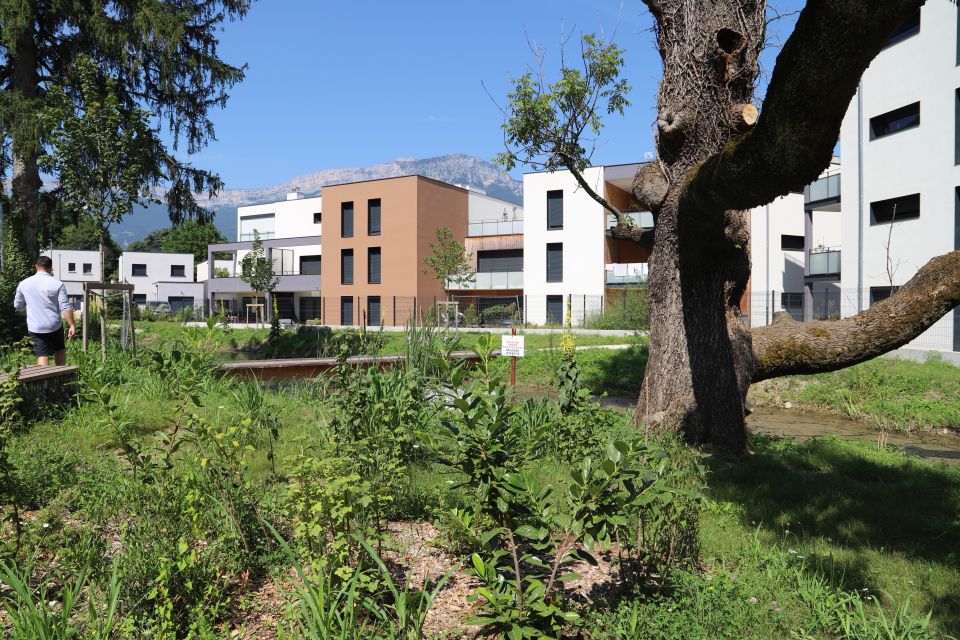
(45, 263)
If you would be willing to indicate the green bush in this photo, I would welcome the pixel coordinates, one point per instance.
(630, 310)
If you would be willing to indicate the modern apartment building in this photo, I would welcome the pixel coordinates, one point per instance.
(900, 144)
(379, 232)
(290, 231)
(161, 278)
(73, 267)
(568, 252)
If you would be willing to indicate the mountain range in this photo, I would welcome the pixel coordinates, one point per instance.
(455, 168)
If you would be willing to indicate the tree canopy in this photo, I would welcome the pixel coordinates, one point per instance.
(191, 236)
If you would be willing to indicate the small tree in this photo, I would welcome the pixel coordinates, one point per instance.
(449, 263)
(257, 270)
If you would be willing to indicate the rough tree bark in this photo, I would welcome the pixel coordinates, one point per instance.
(25, 183)
(716, 159)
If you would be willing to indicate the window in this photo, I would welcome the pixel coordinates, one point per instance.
(554, 309)
(373, 217)
(554, 209)
(555, 262)
(373, 265)
(346, 220)
(317, 217)
(72, 267)
(500, 261)
(791, 243)
(792, 303)
(956, 120)
(909, 28)
(885, 124)
(138, 270)
(178, 271)
(179, 303)
(881, 293)
(346, 266)
(895, 209)
(263, 225)
(309, 309)
(139, 298)
(346, 310)
(310, 265)
(87, 268)
(373, 310)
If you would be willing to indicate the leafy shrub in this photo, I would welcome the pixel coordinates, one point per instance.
(497, 313)
(630, 310)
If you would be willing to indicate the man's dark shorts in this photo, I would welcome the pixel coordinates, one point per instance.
(47, 344)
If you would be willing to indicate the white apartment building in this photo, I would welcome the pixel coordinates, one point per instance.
(290, 231)
(73, 267)
(900, 144)
(161, 278)
(568, 254)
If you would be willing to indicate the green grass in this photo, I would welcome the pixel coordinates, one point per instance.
(889, 393)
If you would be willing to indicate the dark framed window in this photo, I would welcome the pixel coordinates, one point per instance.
(554, 262)
(139, 298)
(310, 265)
(791, 243)
(178, 271)
(792, 303)
(346, 266)
(373, 310)
(346, 220)
(373, 217)
(317, 217)
(373, 265)
(881, 293)
(346, 310)
(71, 267)
(909, 28)
(894, 121)
(956, 116)
(309, 308)
(554, 309)
(179, 303)
(895, 209)
(138, 269)
(554, 210)
(87, 268)
(499, 260)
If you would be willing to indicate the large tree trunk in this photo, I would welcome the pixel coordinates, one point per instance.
(700, 362)
(26, 182)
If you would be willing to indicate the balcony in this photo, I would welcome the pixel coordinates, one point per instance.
(827, 188)
(824, 262)
(286, 282)
(491, 281)
(495, 228)
(626, 274)
(250, 237)
(643, 219)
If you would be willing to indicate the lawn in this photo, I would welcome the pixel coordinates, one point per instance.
(181, 505)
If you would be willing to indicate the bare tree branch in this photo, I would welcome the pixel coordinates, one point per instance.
(806, 101)
(787, 347)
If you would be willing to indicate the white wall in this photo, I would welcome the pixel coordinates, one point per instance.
(292, 218)
(158, 271)
(483, 208)
(920, 160)
(202, 270)
(772, 268)
(74, 280)
(583, 238)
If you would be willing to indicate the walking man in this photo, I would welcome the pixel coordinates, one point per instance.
(44, 298)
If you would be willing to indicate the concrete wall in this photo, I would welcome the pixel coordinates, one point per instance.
(482, 207)
(202, 269)
(74, 280)
(158, 273)
(919, 160)
(292, 218)
(772, 267)
(583, 238)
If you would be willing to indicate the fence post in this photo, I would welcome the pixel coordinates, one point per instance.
(603, 310)
(524, 317)
(583, 320)
(414, 310)
(394, 310)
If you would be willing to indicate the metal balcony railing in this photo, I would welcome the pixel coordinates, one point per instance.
(823, 189)
(824, 263)
(492, 281)
(265, 235)
(495, 228)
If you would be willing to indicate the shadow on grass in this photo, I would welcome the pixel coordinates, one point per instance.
(616, 372)
(859, 500)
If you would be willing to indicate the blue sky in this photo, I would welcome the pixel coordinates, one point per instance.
(344, 84)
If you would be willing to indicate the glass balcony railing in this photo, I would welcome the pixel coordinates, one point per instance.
(823, 189)
(495, 228)
(249, 237)
(824, 263)
(637, 218)
(492, 280)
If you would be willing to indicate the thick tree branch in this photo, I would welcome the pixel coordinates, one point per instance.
(815, 77)
(787, 347)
